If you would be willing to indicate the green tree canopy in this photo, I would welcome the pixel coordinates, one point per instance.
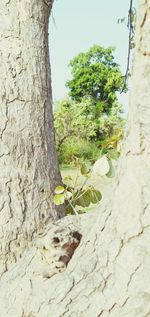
(95, 75)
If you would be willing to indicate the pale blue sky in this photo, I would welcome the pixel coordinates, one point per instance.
(79, 25)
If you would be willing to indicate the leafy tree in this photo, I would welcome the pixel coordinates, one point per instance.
(95, 75)
(71, 119)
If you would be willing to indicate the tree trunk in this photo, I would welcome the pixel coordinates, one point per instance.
(28, 162)
(109, 273)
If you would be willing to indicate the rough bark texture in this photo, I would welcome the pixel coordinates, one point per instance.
(109, 273)
(28, 162)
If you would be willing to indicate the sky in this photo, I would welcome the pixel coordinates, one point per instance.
(75, 26)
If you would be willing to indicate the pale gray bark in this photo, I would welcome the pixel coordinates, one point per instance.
(28, 161)
(109, 272)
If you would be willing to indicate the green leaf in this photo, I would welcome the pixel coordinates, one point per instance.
(59, 199)
(83, 202)
(88, 196)
(59, 190)
(84, 199)
(111, 172)
(67, 180)
(84, 169)
(69, 209)
(96, 196)
(113, 154)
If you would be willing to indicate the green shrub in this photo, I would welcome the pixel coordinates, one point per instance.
(75, 149)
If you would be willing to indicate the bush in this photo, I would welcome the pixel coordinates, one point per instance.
(75, 149)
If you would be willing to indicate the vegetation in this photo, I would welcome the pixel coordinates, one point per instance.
(79, 136)
(78, 193)
(90, 119)
(77, 197)
(96, 76)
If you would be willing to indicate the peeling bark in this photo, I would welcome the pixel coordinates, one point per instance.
(28, 162)
(109, 272)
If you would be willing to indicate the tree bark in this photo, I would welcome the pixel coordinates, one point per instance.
(28, 162)
(109, 272)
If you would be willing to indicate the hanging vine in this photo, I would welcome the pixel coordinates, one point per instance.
(131, 22)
